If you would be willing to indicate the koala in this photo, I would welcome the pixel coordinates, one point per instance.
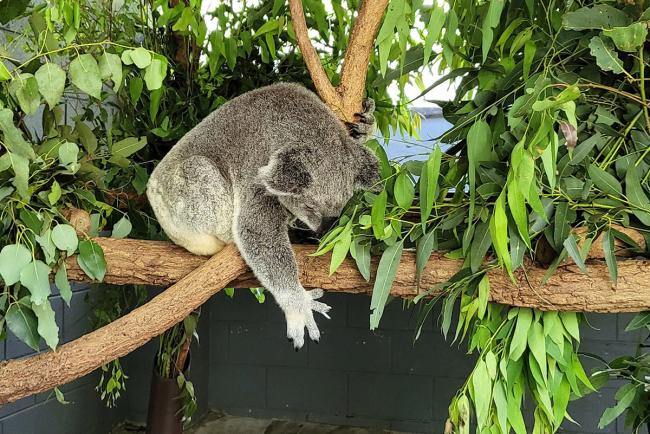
(250, 170)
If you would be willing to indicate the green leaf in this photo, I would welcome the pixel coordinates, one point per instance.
(499, 232)
(520, 337)
(386, 272)
(564, 216)
(122, 228)
(47, 327)
(47, 245)
(155, 74)
(268, 26)
(624, 397)
(127, 147)
(429, 183)
(61, 281)
(84, 73)
(14, 140)
(572, 249)
(601, 16)
(570, 322)
(537, 345)
(491, 21)
(606, 182)
(59, 397)
(501, 404)
(480, 245)
(478, 149)
(68, 155)
(637, 196)
(65, 238)
(23, 323)
(436, 21)
(425, 245)
(610, 256)
(141, 57)
(404, 191)
(483, 296)
(51, 83)
(482, 393)
(230, 292)
(110, 67)
(135, 89)
(86, 137)
(13, 258)
(25, 89)
(628, 38)
(55, 193)
(35, 277)
(5, 74)
(341, 248)
(377, 214)
(20, 165)
(606, 57)
(91, 259)
(519, 212)
(639, 321)
(362, 257)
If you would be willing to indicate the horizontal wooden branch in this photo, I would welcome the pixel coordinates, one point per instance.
(194, 279)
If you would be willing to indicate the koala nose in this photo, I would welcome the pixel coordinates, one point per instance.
(326, 224)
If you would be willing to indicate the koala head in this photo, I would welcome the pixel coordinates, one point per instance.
(314, 184)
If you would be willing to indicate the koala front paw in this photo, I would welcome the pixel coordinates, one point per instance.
(301, 315)
(365, 123)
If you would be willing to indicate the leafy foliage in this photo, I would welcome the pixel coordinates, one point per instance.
(548, 151)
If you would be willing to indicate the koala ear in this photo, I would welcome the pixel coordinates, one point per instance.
(285, 174)
(367, 166)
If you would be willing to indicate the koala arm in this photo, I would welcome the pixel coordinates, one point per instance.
(261, 234)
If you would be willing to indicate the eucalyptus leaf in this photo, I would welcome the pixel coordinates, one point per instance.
(63, 284)
(23, 323)
(605, 55)
(91, 259)
(84, 73)
(13, 258)
(47, 327)
(65, 238)
(386, 272)
(35, 277)
(51, 83)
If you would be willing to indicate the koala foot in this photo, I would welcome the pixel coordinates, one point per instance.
(365, 124)
(301, 315)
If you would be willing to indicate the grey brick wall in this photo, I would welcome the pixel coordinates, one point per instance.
(358, 377)
(244, 365)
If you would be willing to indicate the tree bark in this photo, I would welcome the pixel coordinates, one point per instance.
(345, 99)
(46, 370)
(196, 278)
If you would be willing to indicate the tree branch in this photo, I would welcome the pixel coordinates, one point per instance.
(198, 278)
(346, 99)
(357, 55)
(324, 87)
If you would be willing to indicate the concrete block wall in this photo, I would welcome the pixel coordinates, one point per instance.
(363, 378)
(42, 413)
(243, 365)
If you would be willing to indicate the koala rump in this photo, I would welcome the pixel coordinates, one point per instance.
(251, 169)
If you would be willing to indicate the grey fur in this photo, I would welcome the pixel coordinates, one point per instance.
(252, 167)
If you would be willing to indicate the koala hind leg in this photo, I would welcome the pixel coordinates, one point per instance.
(193, 204)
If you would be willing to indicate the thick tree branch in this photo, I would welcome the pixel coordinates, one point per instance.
(357, 55)
(346, 99)
(195, 279)
(324, 87)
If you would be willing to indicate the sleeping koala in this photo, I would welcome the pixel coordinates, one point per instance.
(252, 168)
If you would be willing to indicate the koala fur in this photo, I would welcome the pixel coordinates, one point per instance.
(249, 170)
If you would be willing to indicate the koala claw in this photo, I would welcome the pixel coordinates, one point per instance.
(303, 317)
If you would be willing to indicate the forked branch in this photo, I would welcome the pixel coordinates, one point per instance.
(347, 97)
